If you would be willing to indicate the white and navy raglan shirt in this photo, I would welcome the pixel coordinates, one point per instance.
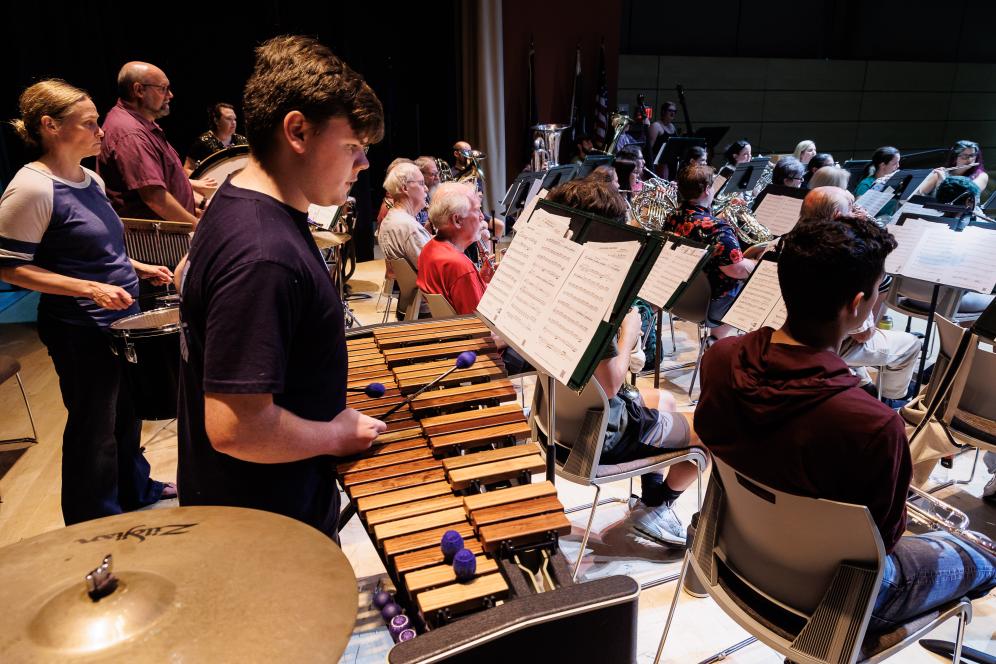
(71, 229)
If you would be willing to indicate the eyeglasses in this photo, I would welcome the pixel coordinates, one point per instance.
(163, 89)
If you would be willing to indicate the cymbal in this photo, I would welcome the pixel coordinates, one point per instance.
(327, 239)
(204, 584)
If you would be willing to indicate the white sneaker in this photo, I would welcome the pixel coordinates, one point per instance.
(989, 491)
(660, 524)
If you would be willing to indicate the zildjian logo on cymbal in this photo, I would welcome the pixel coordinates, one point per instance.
(140, 532)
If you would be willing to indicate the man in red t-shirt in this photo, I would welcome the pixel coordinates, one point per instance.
(443, 269)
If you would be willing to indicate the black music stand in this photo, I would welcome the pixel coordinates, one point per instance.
(928, 159)
(672, 153)
(515, 197)
(558, 175)
(593, 161)
(905, 181)
(745, 177)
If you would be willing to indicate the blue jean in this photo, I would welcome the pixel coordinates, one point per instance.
(926, 571)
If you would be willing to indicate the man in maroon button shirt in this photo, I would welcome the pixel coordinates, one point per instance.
(142, 171)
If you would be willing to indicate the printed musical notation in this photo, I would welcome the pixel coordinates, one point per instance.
(674, 267)
(934, 253)
(549, 294)
(873, 201)
(779, 214)
(760, 302)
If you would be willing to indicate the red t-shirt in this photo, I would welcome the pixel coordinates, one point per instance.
(793, 418)
(442, 270)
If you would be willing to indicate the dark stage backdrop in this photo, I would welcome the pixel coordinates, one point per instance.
(409, 54)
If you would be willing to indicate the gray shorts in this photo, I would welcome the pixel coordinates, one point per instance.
(635, 431)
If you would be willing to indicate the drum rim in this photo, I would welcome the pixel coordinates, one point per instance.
(218, 157)
(169, 328)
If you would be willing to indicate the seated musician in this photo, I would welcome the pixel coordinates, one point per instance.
(894, 352)
(964, 159)
(582, 147)
(626, 175)
(788, 172)
(635, 154)
(805, 151)
(737, 152)
(400, 234)
(386, 203)
(221, 135)
(430, 171)
(727, 268)
(821, 160)
(642, 423)
(262, 407)
(884, 162)
(696, 155)
(782, 407)
(829, 176)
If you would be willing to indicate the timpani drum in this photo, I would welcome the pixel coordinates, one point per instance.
(149, 345)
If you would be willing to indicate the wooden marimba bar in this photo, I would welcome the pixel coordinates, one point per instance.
(456, 458)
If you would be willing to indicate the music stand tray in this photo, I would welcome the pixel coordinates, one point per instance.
(593, 161)
(674, 149)
(558, 175)
(745, 176)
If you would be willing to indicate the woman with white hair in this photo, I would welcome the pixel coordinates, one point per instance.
(401, 236)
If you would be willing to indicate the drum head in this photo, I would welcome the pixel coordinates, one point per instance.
(222, 163)
(164, 320)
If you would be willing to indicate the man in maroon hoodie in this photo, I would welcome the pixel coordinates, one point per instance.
(783, 408)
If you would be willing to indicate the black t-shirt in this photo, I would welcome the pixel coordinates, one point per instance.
(259, 315)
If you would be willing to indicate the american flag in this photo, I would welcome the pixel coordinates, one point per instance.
(601, 103)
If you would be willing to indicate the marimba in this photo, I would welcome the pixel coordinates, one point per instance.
(459, 457)
(456, 458)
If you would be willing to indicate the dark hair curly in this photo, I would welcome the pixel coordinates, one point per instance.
(824, 263)
(591, 195)
(295, 73)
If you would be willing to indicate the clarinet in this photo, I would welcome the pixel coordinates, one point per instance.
(488, 262)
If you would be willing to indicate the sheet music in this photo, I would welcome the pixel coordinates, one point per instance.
(975, 271)
(674, 267)
(718, 183)
(567, 327)
(322, 215)
(557, 223)
(873, 201)
(777, 316)
(779, 213)
(532, 198)
(516, 262)
(757, 300)
(907, 236)
(537, 287)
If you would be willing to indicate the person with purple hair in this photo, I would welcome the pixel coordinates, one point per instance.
(964, 158)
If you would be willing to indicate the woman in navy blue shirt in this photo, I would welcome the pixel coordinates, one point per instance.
(60, 236)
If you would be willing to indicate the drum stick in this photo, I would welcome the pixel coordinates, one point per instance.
(373, 390)
(464, 360)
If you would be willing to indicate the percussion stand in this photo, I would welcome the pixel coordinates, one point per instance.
(333, 259)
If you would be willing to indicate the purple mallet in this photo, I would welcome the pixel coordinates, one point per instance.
(451, 543)
(406, 635)
(390, 610)
(464, 565)
(373, 390)
(397, 625)
(381, 599)
(464, 360)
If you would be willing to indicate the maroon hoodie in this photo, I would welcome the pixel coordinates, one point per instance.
(794, 418)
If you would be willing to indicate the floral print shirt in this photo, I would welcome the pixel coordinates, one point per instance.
(697, 223)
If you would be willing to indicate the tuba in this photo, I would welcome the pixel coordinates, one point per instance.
(653, 204)
(547, 145)
(620, 123)
(445, 172)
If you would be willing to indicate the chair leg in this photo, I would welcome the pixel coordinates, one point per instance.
(587, 532)
(674, 604)
(960, 639)
(674, 343)
(878, 382)
(387, 309)
(698, 363)
(27, 406)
